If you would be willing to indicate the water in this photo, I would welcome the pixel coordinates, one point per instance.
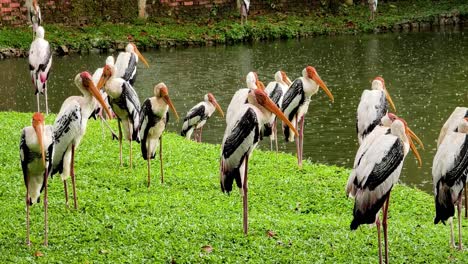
(426, 74)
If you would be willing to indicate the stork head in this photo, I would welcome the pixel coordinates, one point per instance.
(160, 91)
(40, 32)
(388, 119)
(110, 61)
(463, 126)
(38, 125)
(35, 5)
(253, 82)
(379, 84)
(400, 126)
(85, 83)
(285, 78)
(259, 97)
(107, 72)
(311, 73)
(132, 48)
(210, 98)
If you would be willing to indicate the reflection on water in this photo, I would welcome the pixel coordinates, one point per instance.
(426, 74)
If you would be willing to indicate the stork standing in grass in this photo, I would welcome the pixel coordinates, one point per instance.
(70, 127)
(449, 172)
(34, 14)
(36, 148)
(240, 139)
(276, 91)
(376, 169)
(198, 115)
(40, 61)
(296, 104)
(372, 107)
(372, 8)
(154, 118)
(125, 104)
(126, 63)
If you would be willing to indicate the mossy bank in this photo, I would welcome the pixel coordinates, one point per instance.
(298, 216)
(170, 32)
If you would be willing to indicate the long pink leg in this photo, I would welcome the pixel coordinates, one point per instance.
(46, 102)
(244, 200)
(200, 135)
(65, 189)
(72, 172)
(275, 129)
(28, 242)
(161, 159)
(377, 223)
(46, 204)
(148, 159)
(38, 104)
(301, 138)
(384, 224)
(466, 202)
(297, 146)
(120, 142)
(131, 154)
(459, 205)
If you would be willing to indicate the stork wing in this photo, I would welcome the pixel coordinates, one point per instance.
(147, 120)
(293, 98)
(451, 159)
(276, 93)
(452, 122)
(371, 108)
(130, 70)
(24, 154)
(195, 115)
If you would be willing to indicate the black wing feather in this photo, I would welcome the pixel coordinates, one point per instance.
(276, 94)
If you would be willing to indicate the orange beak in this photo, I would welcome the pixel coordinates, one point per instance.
(39, 129)
(105, 76)
(141, 56)
(218, 107)
(322, 85)
(286, 78)
(95, 92)
(260, 85)
(416, 138)
(271, 106)
(413, 148)
(389, 99)
(171, 105)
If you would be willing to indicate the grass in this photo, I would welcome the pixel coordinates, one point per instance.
(120, 220)
(161, 31)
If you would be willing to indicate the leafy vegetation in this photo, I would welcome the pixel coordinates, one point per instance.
(226, 29)
(295, 215)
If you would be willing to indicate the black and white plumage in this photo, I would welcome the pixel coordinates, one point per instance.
(240, 139)
(296, 104)
(449, 172)
(372, 8)
(244, 10)
(154, 117)
(198, 115)
(451, 125)
(70, 127)
(126, 63)
(276, 91)
(376, 169)
(36, 151)
(40, 61)
(372, 107)
(125, 104)
(34, 14)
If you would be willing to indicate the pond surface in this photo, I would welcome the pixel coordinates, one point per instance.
(426, 74)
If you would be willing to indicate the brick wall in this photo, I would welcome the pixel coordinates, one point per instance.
(191, 8)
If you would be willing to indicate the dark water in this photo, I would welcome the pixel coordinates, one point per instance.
(426, 74)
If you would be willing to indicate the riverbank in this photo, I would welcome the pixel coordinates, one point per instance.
(170, 32)
(295, 215)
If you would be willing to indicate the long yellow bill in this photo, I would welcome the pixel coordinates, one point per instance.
(390, 101)
(415, 151)
(141, 57)
(413, 136)
(324, 87)
(87, 82)
(218, 108)
(171, 105)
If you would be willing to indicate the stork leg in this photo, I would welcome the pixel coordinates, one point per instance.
(384, 224)
(120, 142)
(459, 204)
(244, 200)
(148, 159)
(466, 202)
(46, 205)
(297, 145)
(38, 104)
(114, 136)
(377, 223)
(200, 135)
(131, 161)
(72, 174)
(452, 240)
(65, 189)
(161, 159)
(275, 131)
(46, 102)
(301, 138)
(28, 242)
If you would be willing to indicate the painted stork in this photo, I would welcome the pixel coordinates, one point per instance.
(373, 8)
(34, 14)
(376, 169)
(276, 91)
(198, 115)
(125, 104)
(372, 107)
(36, 148)
(40, 61)
(296, 103)
(244, 10)
(240, 97)
(126, 63)
(240, 139)
(153, 120)
(70, 127)
(449, 172)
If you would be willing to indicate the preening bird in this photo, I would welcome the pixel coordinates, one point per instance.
(296, 104)
(36, 148)
(240, 139)
(40, 61)
(276, 91)
(198, 115)
(70, 127)
(372, 107)
(153, 120)
(373, 8)
(449, 172)
(451, 125)
(125, 104)
(34, 14)
(376, 169)
(126, 63)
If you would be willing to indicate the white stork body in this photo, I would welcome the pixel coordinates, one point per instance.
(126, 63)
(372, 8)
(198, 115)
(376, 169)
(154, 118)
(40, 61)
(240, 139)
(34, 14)
(296, 104)
(70, 127)
(371, 108)
(449, 172)
(125, 104)
(36, 151)
(452, 122)
(240, 97)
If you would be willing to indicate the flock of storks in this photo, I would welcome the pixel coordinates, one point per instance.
(385, 139)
